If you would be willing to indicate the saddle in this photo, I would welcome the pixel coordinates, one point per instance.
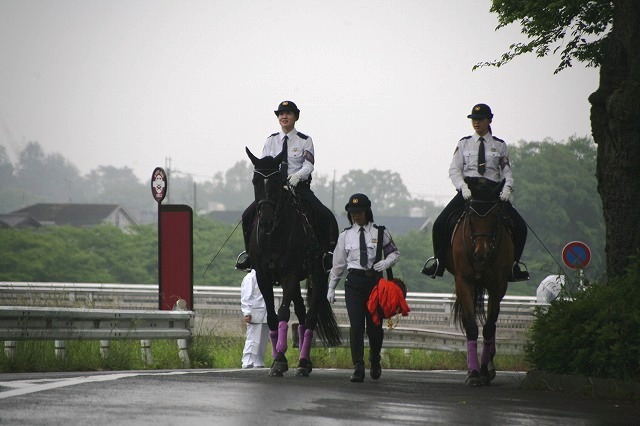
(482, 189)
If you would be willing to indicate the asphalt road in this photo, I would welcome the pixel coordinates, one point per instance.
(251, 397)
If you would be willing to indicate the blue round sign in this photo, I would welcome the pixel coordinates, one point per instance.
(576, 255)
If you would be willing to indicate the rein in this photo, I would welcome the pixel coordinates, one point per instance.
(279, 206)
(494, 235)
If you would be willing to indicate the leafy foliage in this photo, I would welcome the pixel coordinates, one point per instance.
(595, 334)
(576, 28)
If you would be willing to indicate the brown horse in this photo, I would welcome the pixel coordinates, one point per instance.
(480, 260)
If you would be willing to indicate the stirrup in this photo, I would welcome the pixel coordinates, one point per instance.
(518, 274)
(243, 263)
(431, 270)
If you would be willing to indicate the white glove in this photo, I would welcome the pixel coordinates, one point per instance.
(466, 192)
(382, 265)
(505, 195)
(294, 179)
(331, 295)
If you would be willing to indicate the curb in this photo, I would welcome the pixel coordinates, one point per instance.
(582, 386)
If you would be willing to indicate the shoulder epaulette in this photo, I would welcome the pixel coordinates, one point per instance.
(497, 139)
(274, 134)
(379, 226)
(303, 136)
(466, 137)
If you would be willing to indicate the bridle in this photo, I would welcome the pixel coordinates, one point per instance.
(473, 209)
(264, 179)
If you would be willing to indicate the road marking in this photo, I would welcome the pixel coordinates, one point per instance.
(23, 387)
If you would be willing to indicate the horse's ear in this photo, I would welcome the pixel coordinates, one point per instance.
(252, 157)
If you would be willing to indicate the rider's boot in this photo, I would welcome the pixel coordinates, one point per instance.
(517, 274)
(327, 261)
(243, 263)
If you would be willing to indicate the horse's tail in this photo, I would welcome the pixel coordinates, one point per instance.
(326, 325)
(478, 302)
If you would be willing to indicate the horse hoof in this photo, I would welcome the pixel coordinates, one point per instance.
(473, 379)
(273, 372)
(487, 373)
(280, 363)
(304, 368)
(302, 372)
(484, 376)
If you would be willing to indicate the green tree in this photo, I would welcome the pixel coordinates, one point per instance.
(235, 190)
(556, 194)
(384, 187)
(605, 34)
(48, 177)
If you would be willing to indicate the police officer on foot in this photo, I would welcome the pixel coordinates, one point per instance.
(355, 252)
(467, 162)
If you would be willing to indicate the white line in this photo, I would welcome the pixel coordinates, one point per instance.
(23, 387)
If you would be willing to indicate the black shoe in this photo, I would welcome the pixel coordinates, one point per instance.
(430, 268)
(358, 374)
(517, 274)
(376, 370)
(243, 263)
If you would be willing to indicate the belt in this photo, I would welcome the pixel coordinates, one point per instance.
(364, 272)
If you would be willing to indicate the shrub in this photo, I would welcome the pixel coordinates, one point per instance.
(596, 334)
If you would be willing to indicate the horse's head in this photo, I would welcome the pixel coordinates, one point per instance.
(484, 212)
(268, 182)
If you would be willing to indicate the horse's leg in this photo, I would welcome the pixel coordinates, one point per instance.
(487, 369)
(305, 336)
(280, 363)
(265, 284)
(465, 296)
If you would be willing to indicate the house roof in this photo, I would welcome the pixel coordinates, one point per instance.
(18, 221)
(73, 214)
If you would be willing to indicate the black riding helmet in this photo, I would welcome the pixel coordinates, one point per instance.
(288, 106)
(359, 203)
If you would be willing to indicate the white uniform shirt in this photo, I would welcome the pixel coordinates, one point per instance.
(346, 255)
(251, 300)
(301, 156)
(465, 160)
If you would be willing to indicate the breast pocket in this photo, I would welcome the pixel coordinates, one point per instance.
(469, 160)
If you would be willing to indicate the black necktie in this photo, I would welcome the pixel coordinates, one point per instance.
(363, 249)
(481, 159)
(284, 166)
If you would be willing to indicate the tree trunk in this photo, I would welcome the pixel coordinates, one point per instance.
(615, 123)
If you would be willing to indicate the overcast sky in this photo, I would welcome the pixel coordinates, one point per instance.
(381, 84)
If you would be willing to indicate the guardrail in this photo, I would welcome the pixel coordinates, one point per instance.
(430, 325)
(62, 324)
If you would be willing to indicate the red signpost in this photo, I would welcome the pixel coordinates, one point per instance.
(175, 247)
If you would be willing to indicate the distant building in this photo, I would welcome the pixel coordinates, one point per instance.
(18, 221)
(77, 215)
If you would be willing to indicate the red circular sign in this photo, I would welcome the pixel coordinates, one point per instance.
(158, 184)
(576, 255)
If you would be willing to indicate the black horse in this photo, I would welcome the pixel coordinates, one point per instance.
(285, 251)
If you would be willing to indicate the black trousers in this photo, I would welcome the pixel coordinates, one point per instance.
(441, 235)
(357, 290)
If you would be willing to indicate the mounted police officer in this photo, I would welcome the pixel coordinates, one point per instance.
(485, 158)
(297, 172)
